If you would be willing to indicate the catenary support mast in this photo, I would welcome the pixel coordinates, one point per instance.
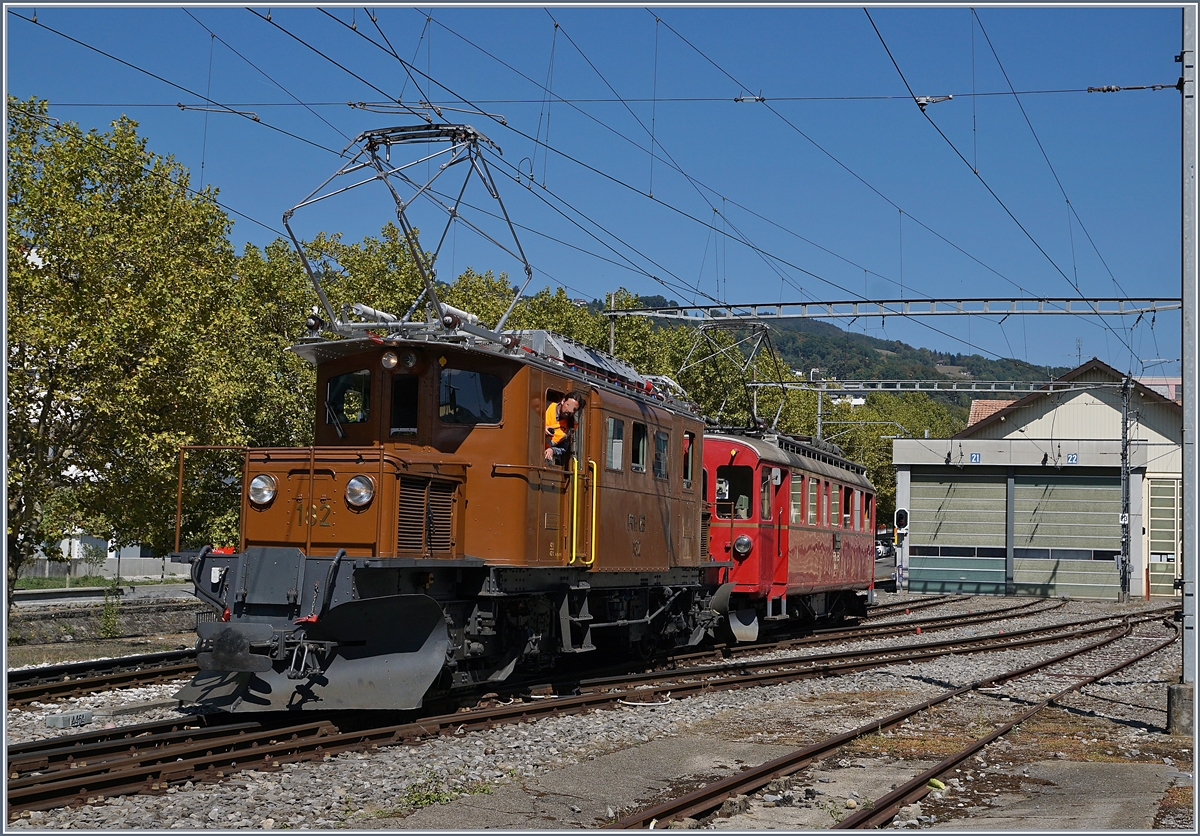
(1180, 698)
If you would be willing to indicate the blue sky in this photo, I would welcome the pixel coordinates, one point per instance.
(835, 187)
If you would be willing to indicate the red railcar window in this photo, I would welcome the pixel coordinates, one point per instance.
(735, 486)
(765, 491)
(797, 507)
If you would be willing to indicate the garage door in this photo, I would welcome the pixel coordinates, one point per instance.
(957, 509)
(956, 533)
(1067, 512)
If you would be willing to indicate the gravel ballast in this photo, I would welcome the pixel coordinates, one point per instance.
(403, 786)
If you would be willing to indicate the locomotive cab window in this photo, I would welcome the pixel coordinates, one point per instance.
(662, 442)
(735, 485)
(470, 397)
(348, 399)
(638, 465)
(405, 388)
(614, 456)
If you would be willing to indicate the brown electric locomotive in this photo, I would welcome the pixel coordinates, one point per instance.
(425, 544)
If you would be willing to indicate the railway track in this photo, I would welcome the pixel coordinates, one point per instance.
(1079, 667)
(151, 757)
(75, 679)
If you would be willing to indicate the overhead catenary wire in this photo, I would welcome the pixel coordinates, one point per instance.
(628, 186)
(760, 251)
(1017, 98)
(665, 205)
(168, 82)
(1062, 190)
(854, 174)
(264, 74)
(980, 178)
(850, 171)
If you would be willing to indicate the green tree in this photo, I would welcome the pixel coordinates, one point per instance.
(120, 281)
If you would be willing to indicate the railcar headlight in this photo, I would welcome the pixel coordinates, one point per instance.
(262, 489)
(390, 360)
(359, 491)
(742, 545)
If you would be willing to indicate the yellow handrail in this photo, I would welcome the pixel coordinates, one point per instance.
(574, 509)
(595, 498)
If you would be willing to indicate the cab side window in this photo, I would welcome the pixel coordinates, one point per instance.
(348, 399)
(689, 451)
(766, 489)
(735, 485)
(470, 397)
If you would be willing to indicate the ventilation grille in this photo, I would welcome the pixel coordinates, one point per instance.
(426, 518)
(704, 536)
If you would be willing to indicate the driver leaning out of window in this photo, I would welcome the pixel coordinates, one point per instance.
(560, 426)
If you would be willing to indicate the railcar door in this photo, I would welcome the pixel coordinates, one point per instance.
(772, 540)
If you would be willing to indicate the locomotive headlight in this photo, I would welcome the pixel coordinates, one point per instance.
(262, 489)
(360, 491)
(390, 360)
(409, 359)
(742, 545)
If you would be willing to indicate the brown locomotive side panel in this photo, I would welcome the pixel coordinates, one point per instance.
(639, 519)
(495, 494)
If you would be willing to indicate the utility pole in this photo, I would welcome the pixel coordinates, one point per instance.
(1126, 391)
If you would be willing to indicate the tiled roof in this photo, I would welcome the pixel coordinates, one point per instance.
(983, 408)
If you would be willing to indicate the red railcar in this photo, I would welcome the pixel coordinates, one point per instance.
(794, 519)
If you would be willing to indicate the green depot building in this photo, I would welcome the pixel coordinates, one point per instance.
(1027, 500)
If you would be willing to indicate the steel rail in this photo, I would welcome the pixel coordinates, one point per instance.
(24, 695)
(859, 632)
(100, 770)
(874, 657)
(885, 808)
(714, 794)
